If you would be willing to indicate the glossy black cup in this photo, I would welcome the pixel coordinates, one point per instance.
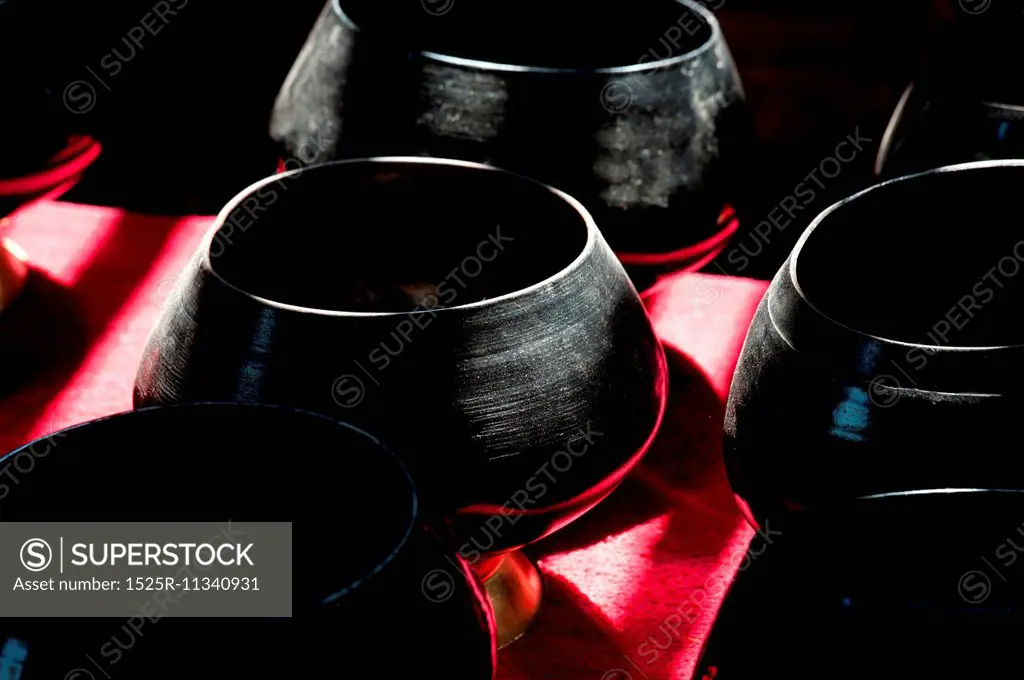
(636, 111)
(372, 586)
(922, 584)
(886, 354)
(473, 317)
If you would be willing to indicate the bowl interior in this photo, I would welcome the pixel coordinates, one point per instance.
(567, 35)
(351, 502)
(396, 236)
(934, 259)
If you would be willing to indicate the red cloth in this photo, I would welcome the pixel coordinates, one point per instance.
(632, 587)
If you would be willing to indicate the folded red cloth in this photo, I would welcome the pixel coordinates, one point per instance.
(632, 587)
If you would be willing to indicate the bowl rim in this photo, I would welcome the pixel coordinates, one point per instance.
(958, 492)
(353, 583)
(705, 15)
(789, 269)
(593, 236)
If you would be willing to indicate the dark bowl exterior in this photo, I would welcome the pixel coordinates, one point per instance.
(803, 433)
(655, 153)
(819, 413)
(518, 413)
(209, 462)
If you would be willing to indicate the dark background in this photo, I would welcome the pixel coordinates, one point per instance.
(184, 121)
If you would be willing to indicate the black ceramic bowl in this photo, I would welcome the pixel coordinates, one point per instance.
(636, 111)
(357, 528)
(886, 354)
(473, 317)
(927, 584)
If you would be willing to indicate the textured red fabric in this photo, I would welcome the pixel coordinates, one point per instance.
(632, 587)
